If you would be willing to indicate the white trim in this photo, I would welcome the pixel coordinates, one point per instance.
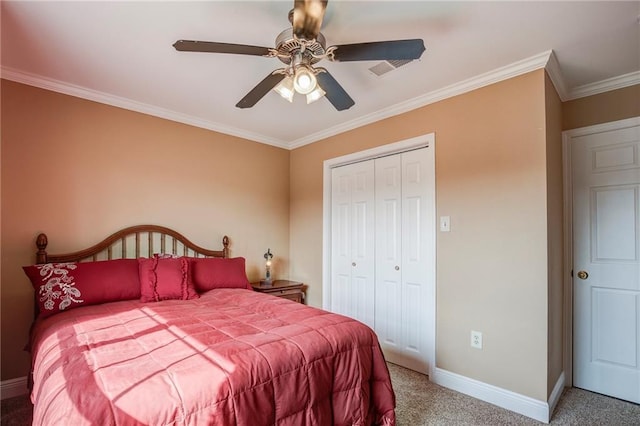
(132, 105)
(512, 401)
(567, 281)
(503, 73)
(556, 393)
(567, 137)
(607, 85)
(13, 387)
(422, 141)
(555, 74)
(545, 60)
(604, 127)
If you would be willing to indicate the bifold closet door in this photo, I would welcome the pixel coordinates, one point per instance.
(403, 230)
(352, 241)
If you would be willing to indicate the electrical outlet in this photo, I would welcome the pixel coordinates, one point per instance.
(476, 339)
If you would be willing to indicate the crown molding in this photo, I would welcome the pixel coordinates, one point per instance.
(546, 60)
(129, 104)
(607, 85)
(555, 74)
(499, 74)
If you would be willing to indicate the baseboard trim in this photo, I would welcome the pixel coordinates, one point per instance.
(13, 387)
(556, 393)
(512, 401)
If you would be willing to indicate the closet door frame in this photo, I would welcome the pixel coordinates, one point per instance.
(423, 141)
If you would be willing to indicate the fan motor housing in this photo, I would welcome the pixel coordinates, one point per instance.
(288, 45)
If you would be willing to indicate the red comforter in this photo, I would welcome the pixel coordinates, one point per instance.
(230, 357)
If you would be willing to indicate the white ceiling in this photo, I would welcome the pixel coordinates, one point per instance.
(121, 53)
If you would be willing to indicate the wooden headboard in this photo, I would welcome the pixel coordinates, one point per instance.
(133, 242)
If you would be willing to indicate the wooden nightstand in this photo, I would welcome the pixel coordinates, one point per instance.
(291, 290)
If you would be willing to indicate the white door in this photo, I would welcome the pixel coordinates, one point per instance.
(606, 264)
(352, 241)
(404, 257)
(388, 288)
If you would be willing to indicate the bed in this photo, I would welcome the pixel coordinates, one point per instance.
(146, 327)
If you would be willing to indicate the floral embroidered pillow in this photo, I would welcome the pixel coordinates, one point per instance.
(64, 286)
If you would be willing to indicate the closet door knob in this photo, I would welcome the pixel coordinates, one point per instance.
(353, 263)
(397, 268)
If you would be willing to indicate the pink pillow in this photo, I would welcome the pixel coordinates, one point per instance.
(214, 272)
(165, 278)
(63, 286)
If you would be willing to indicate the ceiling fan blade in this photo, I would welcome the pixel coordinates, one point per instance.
(307, 18)
(335, 93)
(260, 90)
(380, 50)
(214, 47)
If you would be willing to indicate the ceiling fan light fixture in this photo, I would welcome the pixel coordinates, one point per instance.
(300, 47)
(285, 89)
(304, 80)
(316, 94)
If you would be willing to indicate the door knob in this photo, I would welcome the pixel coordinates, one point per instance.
(583, 275)
(397, 268)
(353, 263)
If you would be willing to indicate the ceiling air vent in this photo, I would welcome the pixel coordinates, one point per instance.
(386, 66)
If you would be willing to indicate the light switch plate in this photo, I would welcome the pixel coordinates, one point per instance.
(445, 223)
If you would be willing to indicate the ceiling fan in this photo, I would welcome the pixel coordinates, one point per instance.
(302, 46)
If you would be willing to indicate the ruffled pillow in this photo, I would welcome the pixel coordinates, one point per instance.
(164, 279)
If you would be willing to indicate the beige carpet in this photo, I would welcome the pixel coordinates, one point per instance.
(15, 411)
(420, 402)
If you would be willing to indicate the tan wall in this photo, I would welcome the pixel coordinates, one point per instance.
(555, 240)
(491, 178)
(63, 172)
(602, 108)
(79, 170)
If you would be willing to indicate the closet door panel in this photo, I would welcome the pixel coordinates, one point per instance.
(416, 215)
(411, 324)
(412, 222)
(352, 237)
(388, 293)
(388, 315)
(341, 294)
(363, 241)
(340, 240)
